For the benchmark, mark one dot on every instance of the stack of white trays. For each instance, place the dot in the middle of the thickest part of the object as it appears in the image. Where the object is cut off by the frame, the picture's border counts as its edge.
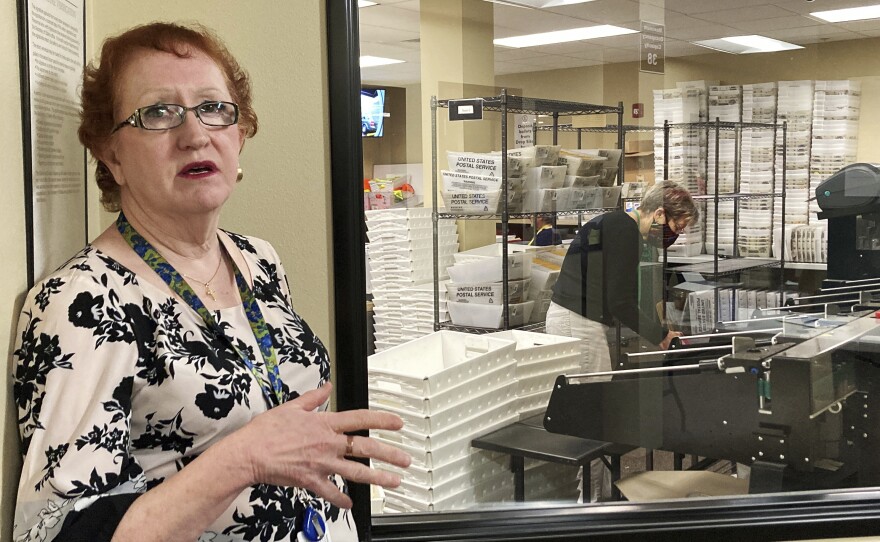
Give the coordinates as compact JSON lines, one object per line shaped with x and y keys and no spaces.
{"x":794,"y":105}
{"x":540,"y":359}
{"x":480,"y":270}
{"x":686,"y":158}
{"x":836,"y":108}
{"x":756,"y":171}
{"x":400,"y":260}
{"x":449,"y":388}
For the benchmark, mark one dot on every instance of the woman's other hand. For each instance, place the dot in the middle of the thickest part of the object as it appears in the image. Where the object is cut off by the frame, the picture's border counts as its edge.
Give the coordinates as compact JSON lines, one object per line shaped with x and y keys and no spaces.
{"x":664,"y":344}
{"x":292,"y":445}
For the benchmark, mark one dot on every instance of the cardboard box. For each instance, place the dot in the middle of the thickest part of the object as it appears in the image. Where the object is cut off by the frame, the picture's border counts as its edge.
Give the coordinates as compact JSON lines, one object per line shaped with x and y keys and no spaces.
{"x":639,"y":168}
{"x":639,"y":145}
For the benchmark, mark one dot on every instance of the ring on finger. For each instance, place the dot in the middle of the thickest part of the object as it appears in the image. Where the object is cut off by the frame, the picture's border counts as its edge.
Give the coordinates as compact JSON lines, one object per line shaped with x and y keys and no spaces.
{"x":349,"y":445}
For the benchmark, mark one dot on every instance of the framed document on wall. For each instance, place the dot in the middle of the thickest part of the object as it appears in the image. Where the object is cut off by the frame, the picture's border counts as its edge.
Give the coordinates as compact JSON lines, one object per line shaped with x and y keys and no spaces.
{"x":52,"y":49}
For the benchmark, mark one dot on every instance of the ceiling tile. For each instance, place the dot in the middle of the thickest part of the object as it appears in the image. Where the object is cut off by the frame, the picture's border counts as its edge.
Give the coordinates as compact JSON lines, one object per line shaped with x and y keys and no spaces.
{"x":805,"y":6}
{"x":382,"y":34}
{"x":602,"y":11}
{"x":692,"y":7}
{"x":776,"y":23}
{"x":752,"y":13}
{"x":511,"y":21}
{"x":390,"y":17}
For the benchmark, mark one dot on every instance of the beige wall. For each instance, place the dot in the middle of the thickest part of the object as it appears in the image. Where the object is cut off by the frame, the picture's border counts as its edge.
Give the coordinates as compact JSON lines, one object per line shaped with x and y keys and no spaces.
{"x":285,"y":195}
{"x":12,"y":239}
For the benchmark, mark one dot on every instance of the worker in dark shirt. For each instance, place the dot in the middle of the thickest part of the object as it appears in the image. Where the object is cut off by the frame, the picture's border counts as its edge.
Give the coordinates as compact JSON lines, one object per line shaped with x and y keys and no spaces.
{"x":545,"y":233}
{"x":598,"y":284}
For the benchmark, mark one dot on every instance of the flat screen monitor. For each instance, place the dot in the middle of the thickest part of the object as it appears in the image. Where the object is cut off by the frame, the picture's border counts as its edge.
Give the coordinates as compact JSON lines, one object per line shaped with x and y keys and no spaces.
{"x":372,"y":112}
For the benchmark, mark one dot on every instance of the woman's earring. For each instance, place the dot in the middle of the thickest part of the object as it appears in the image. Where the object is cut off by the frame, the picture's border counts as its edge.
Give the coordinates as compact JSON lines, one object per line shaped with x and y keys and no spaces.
{"x":240,"y":176}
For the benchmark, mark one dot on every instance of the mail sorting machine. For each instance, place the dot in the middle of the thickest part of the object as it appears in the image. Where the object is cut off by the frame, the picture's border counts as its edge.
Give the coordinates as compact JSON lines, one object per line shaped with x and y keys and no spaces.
{"x":801,"y":407}
{"x":794,"y":392}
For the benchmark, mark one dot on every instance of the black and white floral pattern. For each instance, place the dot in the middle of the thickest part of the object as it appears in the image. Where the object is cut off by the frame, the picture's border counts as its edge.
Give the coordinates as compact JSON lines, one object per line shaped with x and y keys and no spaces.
{"x":119,"y":385}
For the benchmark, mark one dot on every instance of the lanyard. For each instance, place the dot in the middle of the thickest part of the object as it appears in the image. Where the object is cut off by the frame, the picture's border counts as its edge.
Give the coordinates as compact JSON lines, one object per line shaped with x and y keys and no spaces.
{"x":535,"y":237}
{"x":274,"y":395}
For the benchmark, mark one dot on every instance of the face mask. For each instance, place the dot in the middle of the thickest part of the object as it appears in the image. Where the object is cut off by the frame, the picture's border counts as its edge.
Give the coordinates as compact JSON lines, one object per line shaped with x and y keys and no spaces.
{"x":661,"y":235}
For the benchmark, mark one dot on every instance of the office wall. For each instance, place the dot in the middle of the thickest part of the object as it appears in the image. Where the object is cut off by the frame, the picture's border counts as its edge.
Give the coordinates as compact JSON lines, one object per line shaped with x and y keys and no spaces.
{"x":285,"y":194}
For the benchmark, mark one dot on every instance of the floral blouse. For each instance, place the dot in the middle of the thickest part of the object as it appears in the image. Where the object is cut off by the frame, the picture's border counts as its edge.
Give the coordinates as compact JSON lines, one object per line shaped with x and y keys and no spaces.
{"x":119,"y":385}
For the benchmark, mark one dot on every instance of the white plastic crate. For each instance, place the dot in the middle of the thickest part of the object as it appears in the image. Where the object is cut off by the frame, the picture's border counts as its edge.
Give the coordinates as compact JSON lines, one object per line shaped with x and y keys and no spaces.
{"x":415,"y":244}
{"x":496,"y":489}
{"x":483,"y":163}
{"x":438,"y":362}
{"x":535,"y":403}
{"x":396,"y":214}
{"x":454,"y":485}
{"x":542,"y":383}
{"x":423,"y":477}
{"x":580,"y":164}
{"x":488,"y":268}
{"x":463,"y":202}
{"x":532,"y":347}
{"x":398,"y":224}
{"x":539,"y":312}
{"x":439,"y":420}
{"x":468,"y":182}
{"x":383,"y":395}
{"x":409,"y":234}
{"x":442,"y":455}
{"x":487,"y":292}
{"x":544,"y":177}
{"x":464,"y":430}
{"x":489,"y":316}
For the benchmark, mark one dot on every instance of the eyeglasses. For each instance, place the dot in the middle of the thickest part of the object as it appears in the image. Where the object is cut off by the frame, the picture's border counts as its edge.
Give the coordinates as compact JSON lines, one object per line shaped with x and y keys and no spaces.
{"x":167,"y":116}
{"x":678,"y":226}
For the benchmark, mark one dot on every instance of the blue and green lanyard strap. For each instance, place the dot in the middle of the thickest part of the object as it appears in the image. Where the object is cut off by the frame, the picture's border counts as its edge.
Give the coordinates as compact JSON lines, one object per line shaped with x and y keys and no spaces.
{"x":274,"y":395}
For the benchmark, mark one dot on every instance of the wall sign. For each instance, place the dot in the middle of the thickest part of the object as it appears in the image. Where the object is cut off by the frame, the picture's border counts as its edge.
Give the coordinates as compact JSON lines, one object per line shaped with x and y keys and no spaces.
{"x":525,"y":130}
{"x":469,"y":109}
{"x":52,"y":49}
{"x":651,"y":53}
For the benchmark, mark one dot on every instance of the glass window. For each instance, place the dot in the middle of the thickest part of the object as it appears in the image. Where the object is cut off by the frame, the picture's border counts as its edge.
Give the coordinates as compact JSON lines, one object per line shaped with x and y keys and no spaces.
{"x":507,"y":147}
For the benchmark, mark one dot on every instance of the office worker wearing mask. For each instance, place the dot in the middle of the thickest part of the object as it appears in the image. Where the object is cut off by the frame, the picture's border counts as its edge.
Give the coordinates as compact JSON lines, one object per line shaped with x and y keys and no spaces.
{"x":599,"y":280}
{"x":166,"y":389}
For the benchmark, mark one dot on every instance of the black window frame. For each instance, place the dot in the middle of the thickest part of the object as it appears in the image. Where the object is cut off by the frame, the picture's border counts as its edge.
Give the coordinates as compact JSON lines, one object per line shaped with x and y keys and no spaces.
{"x":799,"y":516}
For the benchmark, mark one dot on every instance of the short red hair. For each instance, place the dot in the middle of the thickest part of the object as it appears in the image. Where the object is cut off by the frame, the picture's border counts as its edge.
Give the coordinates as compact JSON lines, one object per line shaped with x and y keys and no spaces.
{"x":101,"y":83}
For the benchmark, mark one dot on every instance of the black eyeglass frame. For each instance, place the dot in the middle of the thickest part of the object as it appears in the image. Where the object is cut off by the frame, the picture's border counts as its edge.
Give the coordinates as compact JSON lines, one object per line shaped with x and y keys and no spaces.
{"x":136,"y":121}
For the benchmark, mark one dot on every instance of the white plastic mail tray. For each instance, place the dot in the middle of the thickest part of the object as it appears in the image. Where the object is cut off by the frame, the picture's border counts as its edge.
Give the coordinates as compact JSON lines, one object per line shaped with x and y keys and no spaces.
{"x":383,"y":394}
{"x":532,"y":347}
{"x":438,"y":362}
{"x":476,"y":460}
{"x":466,"y":202}
{"x":490,"y":293}
{"x":472,"y":268}
{"x":489,"y":316}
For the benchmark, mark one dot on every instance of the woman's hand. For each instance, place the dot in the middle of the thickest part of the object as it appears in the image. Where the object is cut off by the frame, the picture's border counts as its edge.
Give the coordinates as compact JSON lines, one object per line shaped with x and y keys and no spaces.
{"x":292,"y":445}
{"x":664,"y":344}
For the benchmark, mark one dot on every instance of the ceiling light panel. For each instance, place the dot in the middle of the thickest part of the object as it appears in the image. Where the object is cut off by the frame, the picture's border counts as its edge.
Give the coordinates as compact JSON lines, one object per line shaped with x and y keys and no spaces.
{"x":538,"y":4}
{"x":563,"y":36}
{"x":743,"y":45}
{"x":849,"y":14}
{"x":370,"y":61}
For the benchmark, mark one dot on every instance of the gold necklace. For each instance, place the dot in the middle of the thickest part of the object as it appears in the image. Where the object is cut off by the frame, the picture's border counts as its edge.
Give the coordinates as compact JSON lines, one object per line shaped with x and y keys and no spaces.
{"x":207,"y":284}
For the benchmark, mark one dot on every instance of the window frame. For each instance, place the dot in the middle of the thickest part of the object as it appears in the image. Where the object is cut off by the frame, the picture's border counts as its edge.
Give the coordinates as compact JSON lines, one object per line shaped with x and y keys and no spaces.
{"x":797,"y":516}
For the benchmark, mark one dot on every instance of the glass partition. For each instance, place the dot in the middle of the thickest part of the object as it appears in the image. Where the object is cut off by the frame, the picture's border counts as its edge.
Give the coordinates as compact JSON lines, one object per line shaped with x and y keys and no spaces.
{"x":750,"y":106}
